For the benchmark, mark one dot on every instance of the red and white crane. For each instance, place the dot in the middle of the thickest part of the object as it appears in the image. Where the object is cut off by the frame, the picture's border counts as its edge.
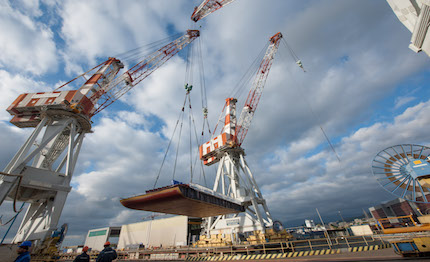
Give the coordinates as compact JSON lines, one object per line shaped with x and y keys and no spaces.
{"x":102,"y":89}
{"x":40,"y":172}
{"x":234,"y":178}
{"x":207,"y":7}
{"x":234,"y":132}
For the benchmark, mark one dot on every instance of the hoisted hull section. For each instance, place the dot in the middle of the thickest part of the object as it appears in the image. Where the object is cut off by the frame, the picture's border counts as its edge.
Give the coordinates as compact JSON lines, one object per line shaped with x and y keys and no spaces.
{"x":183,"y":199}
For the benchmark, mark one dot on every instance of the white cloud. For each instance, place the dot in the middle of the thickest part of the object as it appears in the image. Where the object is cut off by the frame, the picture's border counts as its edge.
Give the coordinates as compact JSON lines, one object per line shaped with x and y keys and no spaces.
{"x":123,"y":217}
{"x":400,"y":101}
{"x":26,"y":45}
{"x":93,"y":30}
{"x":29,"y":7}
{"x":162,"y":93}
{"x":121,"y":156}
{"x":12,"y":85}
{"x":313,"y":181}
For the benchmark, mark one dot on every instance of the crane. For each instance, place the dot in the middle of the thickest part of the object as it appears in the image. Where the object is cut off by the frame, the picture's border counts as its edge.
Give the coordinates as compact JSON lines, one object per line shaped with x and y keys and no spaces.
{"x":40,"y":172}
{"x":207,"y":7}
{"x":233,"y":134}
{"x":234,"y":178}
{"x":414,"y":15}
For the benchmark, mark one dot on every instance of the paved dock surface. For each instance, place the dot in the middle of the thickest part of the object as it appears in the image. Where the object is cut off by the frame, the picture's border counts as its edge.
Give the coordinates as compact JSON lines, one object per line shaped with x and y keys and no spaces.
{"x":375,"y":255}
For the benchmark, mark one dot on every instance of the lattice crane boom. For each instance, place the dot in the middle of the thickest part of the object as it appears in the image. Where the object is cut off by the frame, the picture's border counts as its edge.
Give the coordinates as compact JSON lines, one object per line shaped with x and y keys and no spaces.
{"x":207,"y":7}
{"x":256,"y":91}
{"x":103,"y":88}
{"x":234,"y":132}
{"x":144,"y":68}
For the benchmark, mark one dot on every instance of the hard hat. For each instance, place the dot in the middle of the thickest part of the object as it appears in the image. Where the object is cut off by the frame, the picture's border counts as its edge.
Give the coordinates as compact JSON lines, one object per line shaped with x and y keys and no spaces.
{"x":25,"y":244}
{"x":107,"y":243}
{"x":85,"y":249}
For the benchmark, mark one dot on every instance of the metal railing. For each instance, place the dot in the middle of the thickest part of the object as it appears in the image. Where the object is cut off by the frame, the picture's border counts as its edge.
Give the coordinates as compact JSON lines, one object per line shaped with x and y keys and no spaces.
{"x":180,"y":253}
{"x":289,"y":246}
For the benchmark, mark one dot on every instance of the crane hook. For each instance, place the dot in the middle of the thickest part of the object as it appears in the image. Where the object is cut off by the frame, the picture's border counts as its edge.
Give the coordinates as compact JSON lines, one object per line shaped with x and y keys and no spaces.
{"x":188,"y":88}
{"x":299,"y":63}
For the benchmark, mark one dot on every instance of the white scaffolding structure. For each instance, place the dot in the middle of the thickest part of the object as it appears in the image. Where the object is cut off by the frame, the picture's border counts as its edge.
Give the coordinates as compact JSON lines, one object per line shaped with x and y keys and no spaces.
{"x":40,"y":174}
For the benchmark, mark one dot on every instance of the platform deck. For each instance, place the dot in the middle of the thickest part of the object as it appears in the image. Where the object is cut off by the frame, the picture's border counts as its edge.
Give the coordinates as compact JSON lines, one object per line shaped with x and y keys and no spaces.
{"x":182,"y":200}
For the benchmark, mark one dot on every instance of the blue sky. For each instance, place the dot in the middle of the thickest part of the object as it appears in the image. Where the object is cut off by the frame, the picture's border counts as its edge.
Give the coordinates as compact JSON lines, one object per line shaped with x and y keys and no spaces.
{"x":367,"y":89}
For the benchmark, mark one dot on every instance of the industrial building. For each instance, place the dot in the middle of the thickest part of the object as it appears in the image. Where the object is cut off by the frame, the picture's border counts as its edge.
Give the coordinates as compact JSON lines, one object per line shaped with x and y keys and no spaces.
{"x":97,"y":237}
{"x":399,"y":207}
{"x":166,"y":232}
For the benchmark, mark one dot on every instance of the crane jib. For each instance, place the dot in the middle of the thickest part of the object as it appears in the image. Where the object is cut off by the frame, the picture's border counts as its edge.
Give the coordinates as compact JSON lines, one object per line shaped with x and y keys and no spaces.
{"x":207,"y":7}
{"x":256,"y":91}
{"x":100,"y":90}
{"x":233,"y":134}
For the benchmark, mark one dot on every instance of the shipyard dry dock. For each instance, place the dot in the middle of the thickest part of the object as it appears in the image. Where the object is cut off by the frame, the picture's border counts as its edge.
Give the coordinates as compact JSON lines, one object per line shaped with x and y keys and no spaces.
{"x":363,"y":247}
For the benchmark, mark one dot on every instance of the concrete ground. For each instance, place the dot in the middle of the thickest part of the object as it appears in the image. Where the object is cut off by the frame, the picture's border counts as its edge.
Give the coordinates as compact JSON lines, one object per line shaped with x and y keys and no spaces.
{"x":376,"y":255}
{"x":8,"y":253}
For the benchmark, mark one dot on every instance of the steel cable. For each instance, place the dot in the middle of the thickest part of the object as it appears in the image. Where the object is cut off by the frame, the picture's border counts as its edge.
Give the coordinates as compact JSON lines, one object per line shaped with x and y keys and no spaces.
{"x":19,"y":177}
{"x":317,"y":119}
{"x":170,"y":142}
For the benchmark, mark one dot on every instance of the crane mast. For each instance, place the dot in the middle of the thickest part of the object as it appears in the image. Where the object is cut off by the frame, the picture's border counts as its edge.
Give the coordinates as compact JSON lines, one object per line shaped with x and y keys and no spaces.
{"x":207,"y":7}
{"x":41,"y":171}
{"x":234,"y":177}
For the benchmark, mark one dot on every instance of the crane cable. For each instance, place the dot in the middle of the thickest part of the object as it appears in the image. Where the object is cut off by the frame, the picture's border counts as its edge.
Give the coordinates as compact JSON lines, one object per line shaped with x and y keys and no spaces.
{"x":239,"y":88}
{"x":188,"y":81}
{"x":219,"y":120}
{"x":188,"y":87}
{"x":196,"y":139}
{"x":203,"y":87}
{"x":12,"y":220}
{"x":293,"y":54}
{"x":179,"y":143}
{"x":170,"y":142}
{"x":128,"y":56}
{"x":204,"y":104}
{"x":19,"y":177}
{"x":142,"y":51}
{"x":179,"y":120}
{"x":191,"y":121}
{"x":299,"y":63}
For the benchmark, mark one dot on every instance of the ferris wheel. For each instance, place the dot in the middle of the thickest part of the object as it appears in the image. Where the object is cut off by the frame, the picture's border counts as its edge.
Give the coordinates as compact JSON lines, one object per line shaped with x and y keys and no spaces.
{"x":404,"y":170}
